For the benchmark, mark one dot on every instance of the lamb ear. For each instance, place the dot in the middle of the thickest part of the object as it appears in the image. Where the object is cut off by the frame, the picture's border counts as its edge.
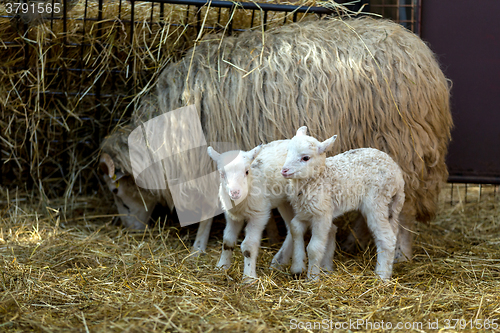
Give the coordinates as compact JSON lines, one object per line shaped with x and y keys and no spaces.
{"x":252,"y":154}
{"x":213,"y":154}
{"x":302,"y":131}
{"x":107,"y":165}
{"x":326,"y":145}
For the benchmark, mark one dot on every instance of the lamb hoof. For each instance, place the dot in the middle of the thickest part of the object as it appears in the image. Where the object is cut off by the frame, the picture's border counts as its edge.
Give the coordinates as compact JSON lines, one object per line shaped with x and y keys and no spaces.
{"x":327,"y":268}
{"x":276,"y":264}
{"x":195,"y":253}
{"x":313,"y":277}
{"x":400,"y":257}
{"x":383,"y":275}
{"x":222,"y":266}
{"x":248,"y":279}
{"x":296,"y":269}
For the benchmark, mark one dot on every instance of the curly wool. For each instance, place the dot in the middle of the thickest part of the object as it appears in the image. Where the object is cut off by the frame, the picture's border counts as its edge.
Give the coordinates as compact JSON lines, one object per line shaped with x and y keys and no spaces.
{"x":372,"y":82}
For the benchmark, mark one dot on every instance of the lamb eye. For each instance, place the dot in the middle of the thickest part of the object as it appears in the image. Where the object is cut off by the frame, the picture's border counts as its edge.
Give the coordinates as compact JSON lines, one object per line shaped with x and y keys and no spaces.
{"x":246,"y":172}
{"x":305,"y":158}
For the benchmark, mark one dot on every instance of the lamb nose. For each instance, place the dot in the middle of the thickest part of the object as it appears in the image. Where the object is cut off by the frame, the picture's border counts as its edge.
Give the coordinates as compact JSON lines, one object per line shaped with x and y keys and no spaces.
{"x":284,"y":171}
{"x":235,"y":193}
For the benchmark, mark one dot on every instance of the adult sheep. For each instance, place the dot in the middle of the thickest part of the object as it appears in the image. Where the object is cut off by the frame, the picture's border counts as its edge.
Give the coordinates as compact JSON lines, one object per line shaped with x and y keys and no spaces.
{"x":372,"y":82}
{"x":135,"y":204}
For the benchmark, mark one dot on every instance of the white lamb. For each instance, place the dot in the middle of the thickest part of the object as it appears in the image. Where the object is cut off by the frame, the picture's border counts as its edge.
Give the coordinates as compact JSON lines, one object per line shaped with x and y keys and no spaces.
{"x":251,"y":186}
{"x":323,"y":188}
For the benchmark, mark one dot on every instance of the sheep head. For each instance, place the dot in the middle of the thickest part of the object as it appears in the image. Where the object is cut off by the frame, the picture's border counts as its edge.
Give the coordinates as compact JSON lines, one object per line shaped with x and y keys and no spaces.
{"x":134,"y":206}
{"x":234,"y":168}
{"x":306,"y":156}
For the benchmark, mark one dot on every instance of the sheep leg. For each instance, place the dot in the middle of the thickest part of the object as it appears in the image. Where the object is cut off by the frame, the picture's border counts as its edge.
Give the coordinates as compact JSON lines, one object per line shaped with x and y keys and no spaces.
{"x":200,"y":243}
{"x":327,"y":262}
{"x":285,"y":253}
{"x":320,"y":233}
{"x":231,"y":232}
{"x":251,"y":243}
{"x":385,"y":237}
{"x":297,"y":229}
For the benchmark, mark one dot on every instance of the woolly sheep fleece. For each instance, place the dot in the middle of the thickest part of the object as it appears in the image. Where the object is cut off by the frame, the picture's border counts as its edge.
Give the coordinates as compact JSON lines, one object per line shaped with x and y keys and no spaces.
{"x":372,"y":82}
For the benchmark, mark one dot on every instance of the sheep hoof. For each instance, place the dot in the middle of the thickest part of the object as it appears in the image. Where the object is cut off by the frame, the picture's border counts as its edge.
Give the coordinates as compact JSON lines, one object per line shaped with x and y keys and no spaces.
{"x":313,"y":277}
{"x":400,"y":257}
{"x":385,"y":276}
{"x":297,"y":270}
{"x":197,"y":252}
{"x":276,"y":264}
{"x":248,"y":279}
{"x":327,"y":269}
{"x":222,"y":266}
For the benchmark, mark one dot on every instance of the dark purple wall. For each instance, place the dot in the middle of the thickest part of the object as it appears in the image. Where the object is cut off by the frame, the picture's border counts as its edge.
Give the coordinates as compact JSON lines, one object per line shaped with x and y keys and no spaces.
{"x":465,"y":35}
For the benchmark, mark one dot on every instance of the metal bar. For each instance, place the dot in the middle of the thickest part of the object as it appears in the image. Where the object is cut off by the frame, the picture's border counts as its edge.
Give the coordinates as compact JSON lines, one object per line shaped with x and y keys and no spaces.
{"x":24,"y":89}
{"x":265,"y":20}
{"x":418,"y":19}
{"x":151,"y":17}
{"x":198,"y":19}
{"x":383,"y":6}
{"x":98,"y":135}
{"x":65,"y":163}
{"x":230,"y":23}
{"x":451,"y":195}
{"x":52,"y":16}
{"x":187,"y":15}
{"x":130,"y":83}
{"x":247,"y":5}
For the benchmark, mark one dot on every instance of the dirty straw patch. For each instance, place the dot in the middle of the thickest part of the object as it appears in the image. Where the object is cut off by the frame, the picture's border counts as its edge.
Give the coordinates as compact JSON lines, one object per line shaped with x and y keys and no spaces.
{"x":84,"y":274}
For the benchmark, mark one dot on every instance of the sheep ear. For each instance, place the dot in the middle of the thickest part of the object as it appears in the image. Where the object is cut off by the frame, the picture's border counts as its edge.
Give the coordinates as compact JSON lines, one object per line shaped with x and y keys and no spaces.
{"x":107,"y":165}
{"x":252,"y":154}
{"x":302,"y":131}
{"x":326,"y":145}
{"x":213,"y":154}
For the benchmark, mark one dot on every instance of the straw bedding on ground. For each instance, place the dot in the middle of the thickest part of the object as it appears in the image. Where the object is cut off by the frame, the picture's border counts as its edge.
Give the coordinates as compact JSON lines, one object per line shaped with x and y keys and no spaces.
{"x":81,"y":273}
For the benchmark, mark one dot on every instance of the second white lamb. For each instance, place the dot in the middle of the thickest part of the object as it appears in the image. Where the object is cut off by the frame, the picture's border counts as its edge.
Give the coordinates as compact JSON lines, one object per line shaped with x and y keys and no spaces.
{"x":323,"y":188}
